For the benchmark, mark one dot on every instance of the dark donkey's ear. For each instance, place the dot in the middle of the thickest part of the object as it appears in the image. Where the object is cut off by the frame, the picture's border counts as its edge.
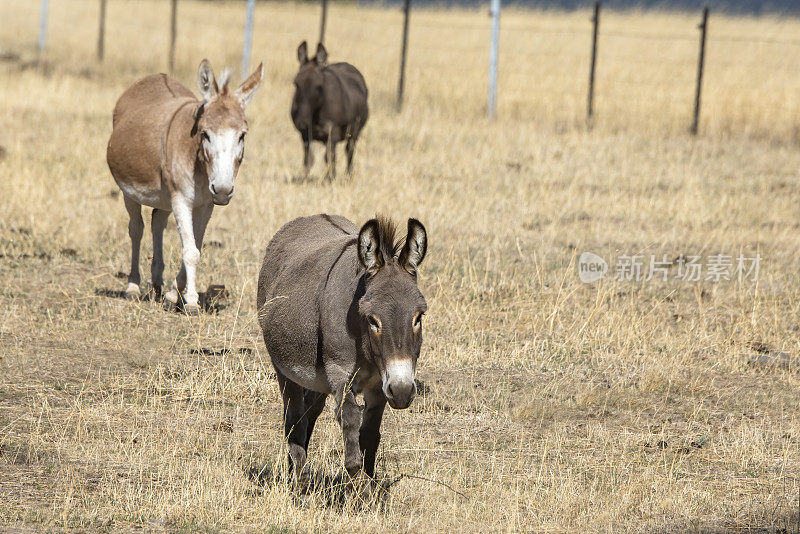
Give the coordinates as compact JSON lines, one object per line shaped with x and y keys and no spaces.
{"x":416,"y":245}
{"x":322,"y":55}
{"x":369,"y":246}
{"x":302,"y":52}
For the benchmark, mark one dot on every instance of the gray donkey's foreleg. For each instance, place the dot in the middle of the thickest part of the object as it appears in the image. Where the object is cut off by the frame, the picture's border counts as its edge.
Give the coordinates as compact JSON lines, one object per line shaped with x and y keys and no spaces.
{"x":348,"y":414}
{"x":369,"y":434}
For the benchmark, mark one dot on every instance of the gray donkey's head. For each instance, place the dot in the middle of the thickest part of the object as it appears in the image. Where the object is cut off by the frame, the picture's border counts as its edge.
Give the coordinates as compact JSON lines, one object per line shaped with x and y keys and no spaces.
{"x":392,"y":306}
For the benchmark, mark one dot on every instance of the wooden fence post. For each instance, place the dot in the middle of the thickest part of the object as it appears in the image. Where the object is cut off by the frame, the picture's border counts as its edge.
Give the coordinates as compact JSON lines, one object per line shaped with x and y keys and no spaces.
{"x":172,"y":35}
{"x":101,"y":34}
{"x":248,"y":37}
{"x":493,"y":56}
{"x":403,"y":51}
{"x":590,"y":103}
{"x":700,"y":64}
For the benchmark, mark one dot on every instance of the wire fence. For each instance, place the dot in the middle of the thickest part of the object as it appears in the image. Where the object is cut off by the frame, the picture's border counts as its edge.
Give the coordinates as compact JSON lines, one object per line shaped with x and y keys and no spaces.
{"x":681,"y":81}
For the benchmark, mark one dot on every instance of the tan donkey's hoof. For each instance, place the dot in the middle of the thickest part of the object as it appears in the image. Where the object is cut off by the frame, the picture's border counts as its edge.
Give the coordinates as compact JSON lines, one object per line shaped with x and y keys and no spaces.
{"x":169,"y":304}
{"x":133,"y":293}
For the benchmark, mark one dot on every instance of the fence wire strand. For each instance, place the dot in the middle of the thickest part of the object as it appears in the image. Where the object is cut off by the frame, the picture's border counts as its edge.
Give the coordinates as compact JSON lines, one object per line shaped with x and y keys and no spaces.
{"x":665,"y":75}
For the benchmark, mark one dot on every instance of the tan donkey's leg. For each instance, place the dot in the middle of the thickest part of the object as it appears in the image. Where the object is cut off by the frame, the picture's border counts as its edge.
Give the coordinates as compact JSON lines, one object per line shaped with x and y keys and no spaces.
{"x":191,"y":255}
{"x":159,"y":223}
{"x":135,"y":231}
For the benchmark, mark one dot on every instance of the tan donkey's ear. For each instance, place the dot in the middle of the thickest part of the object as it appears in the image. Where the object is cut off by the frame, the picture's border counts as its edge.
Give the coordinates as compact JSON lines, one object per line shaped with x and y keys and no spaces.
{"x":206,"y":82}
{"x":415,"y":248}
{"x":245,"y":91}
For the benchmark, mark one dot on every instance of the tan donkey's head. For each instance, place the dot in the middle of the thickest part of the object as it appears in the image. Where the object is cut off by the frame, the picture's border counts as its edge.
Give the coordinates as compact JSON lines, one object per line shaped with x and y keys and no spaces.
{"x":222,"y":126}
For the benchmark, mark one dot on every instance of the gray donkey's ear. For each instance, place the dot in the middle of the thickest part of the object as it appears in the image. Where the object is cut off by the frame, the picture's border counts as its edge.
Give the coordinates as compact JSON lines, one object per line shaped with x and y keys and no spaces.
{"x":369,"y":246}
{"x":206,"y":82}
{"x":416,"y":245}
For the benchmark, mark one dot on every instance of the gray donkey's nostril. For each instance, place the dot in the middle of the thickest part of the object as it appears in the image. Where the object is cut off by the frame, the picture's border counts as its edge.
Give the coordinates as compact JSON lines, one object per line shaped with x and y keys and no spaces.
{"x":213,"y":189}
{"x":400,"y":393}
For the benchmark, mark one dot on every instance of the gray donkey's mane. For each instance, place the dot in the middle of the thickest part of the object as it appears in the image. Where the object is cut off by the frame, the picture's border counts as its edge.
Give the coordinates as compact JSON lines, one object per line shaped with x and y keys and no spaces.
{"x":386,"y":237}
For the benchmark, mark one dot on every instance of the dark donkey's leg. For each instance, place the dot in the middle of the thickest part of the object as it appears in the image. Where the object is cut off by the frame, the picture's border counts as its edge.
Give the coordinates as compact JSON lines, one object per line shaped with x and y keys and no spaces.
{"x":330,"y":159}
{"x":334,"y":136}
{"x":350,"y":149}
{"x":370,"y":435}
{"x":353,"y":130}
{"x":308,"y":155}
{"x":315,"y":403}
{"x":294,"y":424}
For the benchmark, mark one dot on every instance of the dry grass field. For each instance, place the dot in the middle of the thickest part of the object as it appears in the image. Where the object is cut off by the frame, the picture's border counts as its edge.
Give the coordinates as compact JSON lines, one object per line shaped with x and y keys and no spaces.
{"x":552,"y":405}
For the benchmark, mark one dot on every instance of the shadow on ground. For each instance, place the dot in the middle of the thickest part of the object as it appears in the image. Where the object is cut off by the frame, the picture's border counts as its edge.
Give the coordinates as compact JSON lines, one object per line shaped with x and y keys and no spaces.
{"x":331,"y":490}
{"x":213,"y":300}
{"x":205,"y":351}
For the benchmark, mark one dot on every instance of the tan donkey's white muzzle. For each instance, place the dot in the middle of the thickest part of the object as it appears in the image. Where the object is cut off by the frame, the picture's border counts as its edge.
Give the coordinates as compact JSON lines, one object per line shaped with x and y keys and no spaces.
{"x":224,"y":150}
{"x":398,"y":383}
{"x":221,"y":195}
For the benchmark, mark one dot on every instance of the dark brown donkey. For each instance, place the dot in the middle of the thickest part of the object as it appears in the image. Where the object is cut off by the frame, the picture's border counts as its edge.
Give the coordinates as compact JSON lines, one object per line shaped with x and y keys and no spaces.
{"x":330,"y":105}
{"x":342,"y":314}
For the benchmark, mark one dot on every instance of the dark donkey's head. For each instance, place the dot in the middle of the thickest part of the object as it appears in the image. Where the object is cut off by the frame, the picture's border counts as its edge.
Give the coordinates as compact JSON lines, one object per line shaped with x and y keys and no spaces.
{"x":392,"y":306}
{"x":308,"y":86}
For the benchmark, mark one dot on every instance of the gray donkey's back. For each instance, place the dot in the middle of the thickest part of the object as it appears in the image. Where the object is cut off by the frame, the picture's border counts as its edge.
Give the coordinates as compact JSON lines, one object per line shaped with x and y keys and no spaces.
{"x":306,"y":285}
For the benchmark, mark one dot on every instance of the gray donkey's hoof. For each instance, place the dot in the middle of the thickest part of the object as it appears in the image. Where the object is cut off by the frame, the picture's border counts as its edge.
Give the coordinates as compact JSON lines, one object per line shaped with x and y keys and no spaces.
{"x":192,"y":310}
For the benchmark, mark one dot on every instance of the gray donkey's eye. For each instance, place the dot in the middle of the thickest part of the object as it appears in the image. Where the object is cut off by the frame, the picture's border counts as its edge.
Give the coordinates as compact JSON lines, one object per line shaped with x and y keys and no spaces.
{"x":374,"y":323}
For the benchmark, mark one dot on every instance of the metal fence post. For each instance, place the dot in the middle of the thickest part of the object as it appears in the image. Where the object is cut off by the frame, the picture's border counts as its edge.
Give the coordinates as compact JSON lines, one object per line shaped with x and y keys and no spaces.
{"x":43,"y":25}
{"x":403,"y":51}
{"x":323,"y":21}
{"x":493,"y":53}
{"x":590,"y":103}
{"x":248,"y":37}
{"x":700,"y":64}
{"x":101,"y":34}
{"x":172,"y":34}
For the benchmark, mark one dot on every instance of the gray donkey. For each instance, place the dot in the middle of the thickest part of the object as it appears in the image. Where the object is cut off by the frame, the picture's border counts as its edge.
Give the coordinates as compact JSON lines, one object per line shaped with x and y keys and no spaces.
{"x":341,"y":314}
{"x":329,"y":105}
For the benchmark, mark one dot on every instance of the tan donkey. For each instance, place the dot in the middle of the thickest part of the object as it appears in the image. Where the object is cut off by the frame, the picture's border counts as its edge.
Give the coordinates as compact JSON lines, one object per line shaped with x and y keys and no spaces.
{"x":175,"y":153}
